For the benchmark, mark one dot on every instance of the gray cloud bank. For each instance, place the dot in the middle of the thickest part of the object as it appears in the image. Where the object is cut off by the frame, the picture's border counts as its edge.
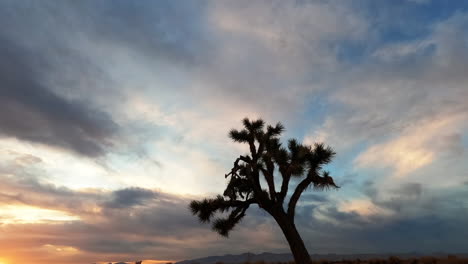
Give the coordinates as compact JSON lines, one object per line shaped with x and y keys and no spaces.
{"x":32,"y":110}
{"x":134,"y":223}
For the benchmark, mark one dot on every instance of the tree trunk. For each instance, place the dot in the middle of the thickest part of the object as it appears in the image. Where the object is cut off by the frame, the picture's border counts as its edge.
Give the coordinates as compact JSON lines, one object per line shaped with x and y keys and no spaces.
{"x":298,"y":249}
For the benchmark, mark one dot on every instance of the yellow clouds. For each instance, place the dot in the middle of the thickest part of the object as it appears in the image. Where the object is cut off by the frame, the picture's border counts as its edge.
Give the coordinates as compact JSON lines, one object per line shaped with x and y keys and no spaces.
{"x":417,"y":146}
{"x":22,"y":214}
{"x":363,"y":207}
{"x":62,"y":250}
{"x":400,"y":154}
{"x":52,"y":164}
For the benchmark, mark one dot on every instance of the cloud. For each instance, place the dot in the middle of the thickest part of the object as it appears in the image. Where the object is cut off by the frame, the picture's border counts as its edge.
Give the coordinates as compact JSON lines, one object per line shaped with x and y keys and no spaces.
{"x":122,"y":224}
{"x":130,"y":197}
{"x":362,"y":207}
{"x":420,"y":2}
{"x":32,"y":112}
{"x":150,"y":90}
{"x":136,"y":223}
{"x":417,"y":146}
{"x":399,"y":84}
{"x":282,"y":44}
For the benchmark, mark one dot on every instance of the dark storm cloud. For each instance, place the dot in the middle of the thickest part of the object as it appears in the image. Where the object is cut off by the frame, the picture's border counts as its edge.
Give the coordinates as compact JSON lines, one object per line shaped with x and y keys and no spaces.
{"x":439,"y":229}
{"x":130,"y":197}
{"x":165,"y":29}
{"x":32,"y":112}
{"x":399,"y":198}
{"x":314,"y":197}
{"x":425,"y":234}
{"x":405,"y":190}
{"x":63,"y":49}
{"x":192,"y":37}
{"x":410,"y":190}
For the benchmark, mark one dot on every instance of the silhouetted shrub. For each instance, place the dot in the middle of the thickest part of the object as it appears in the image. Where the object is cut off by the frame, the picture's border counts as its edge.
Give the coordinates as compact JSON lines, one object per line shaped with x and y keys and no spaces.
{"x":394,"y":260}
{"x":428,"y":260}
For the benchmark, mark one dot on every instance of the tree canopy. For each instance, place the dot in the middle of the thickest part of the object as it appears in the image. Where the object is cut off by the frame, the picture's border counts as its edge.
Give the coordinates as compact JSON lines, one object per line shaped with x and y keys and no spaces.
{"x":268,"y":158}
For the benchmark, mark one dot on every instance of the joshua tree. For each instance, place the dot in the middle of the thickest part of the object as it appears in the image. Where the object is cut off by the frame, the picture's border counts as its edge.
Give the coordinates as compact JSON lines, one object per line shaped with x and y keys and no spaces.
{"x":268,"y":159}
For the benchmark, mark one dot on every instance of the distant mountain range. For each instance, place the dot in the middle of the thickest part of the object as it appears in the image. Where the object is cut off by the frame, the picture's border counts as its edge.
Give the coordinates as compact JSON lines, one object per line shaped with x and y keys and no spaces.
{"x":285,"y":257}
{"x":233,"y":259}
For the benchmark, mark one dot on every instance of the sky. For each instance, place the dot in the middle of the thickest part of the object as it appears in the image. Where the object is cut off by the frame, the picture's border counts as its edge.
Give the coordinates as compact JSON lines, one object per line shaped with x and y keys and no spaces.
{"x":115,"y":115}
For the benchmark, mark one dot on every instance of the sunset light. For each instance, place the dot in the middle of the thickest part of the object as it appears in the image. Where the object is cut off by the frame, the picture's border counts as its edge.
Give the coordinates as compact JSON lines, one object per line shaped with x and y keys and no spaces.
{"x":22,"y":214}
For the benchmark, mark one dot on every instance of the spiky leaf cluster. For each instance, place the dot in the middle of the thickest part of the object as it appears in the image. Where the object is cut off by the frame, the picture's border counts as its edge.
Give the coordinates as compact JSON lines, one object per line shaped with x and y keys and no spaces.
{"x":267,"y":156}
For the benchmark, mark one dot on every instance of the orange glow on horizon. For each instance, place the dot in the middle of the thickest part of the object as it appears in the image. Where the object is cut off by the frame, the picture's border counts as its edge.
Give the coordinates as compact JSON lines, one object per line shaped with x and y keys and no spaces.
{"x":63,"y":250}
{"x":22,"y":214}
{"x":148,"y":261}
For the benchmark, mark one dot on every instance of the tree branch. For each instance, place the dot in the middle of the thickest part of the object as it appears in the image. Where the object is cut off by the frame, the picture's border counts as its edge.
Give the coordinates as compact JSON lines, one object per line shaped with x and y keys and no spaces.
{"x":253,"y":150}
{"x":297,"y":194}
{"x":236,"y":167}
{"x":254,"y":174}
{"x":263,"y":199}
{"x":224,"y":225}
{"x":205,"y":208}
{"x":285,"y":184}
{"x":319,"y":182}
{"x":271,"y":183}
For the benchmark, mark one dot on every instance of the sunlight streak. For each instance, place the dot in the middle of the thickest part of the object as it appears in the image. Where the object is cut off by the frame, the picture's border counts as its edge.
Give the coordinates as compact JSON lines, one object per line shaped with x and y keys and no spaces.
{"x":21,"y":214}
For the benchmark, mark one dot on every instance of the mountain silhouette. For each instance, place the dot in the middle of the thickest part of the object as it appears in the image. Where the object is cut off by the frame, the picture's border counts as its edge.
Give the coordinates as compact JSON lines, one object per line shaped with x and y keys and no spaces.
{"x":285,"y":257}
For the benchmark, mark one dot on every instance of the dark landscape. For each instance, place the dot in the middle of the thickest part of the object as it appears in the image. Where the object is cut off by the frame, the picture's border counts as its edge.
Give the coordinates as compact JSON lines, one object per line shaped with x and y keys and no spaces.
{"x":271,"y":258}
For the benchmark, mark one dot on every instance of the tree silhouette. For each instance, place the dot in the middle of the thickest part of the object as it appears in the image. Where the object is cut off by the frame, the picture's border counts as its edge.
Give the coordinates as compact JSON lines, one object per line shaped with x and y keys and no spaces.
{"x":267,"y":159}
